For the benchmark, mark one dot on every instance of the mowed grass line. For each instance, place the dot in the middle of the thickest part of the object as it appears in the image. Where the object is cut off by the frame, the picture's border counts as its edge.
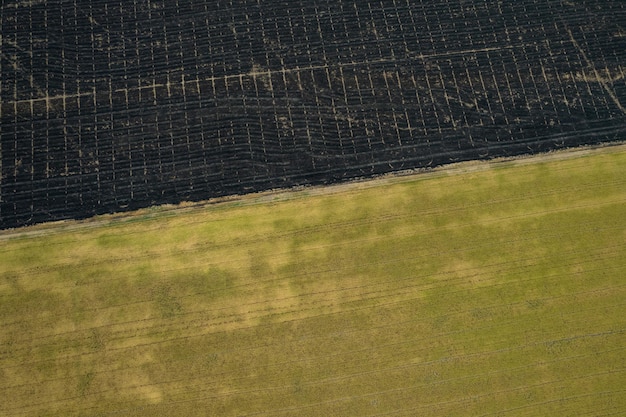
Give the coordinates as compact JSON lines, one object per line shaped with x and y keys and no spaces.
{"x":494,"y":292}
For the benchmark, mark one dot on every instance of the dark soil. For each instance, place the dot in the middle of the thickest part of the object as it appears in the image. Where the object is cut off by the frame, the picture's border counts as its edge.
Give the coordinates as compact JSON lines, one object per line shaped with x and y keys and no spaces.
{"x":109,"y":106}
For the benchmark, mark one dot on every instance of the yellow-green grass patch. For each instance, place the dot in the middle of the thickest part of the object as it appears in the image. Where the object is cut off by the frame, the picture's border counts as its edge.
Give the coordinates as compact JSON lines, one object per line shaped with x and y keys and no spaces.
{"x":498,"y":291}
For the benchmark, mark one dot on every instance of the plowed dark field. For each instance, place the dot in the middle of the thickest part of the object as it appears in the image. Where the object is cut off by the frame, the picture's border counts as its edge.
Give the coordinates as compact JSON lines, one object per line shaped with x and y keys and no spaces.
{"x":113,"y":105}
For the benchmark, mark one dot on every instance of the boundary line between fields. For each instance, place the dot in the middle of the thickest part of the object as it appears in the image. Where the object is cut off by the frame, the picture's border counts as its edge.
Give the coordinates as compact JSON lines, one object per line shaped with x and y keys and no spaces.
{"x":298,"y":192}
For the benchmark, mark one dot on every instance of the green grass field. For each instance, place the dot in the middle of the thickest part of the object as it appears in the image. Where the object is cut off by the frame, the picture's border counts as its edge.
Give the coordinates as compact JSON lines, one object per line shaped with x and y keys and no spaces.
{"x":500,"y":291}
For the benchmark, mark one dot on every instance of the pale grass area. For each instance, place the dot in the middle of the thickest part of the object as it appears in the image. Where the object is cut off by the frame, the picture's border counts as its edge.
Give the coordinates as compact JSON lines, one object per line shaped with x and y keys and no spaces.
{"x":484,"y":289}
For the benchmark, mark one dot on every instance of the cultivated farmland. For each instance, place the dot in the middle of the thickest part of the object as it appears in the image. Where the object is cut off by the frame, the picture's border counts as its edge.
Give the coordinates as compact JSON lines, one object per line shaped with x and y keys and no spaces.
{"x":108,"y":105}
{"x":498,"y":291}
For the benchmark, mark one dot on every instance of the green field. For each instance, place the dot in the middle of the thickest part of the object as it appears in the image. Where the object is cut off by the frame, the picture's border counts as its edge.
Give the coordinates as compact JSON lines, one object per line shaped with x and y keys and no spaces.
{"x":486,"y":290}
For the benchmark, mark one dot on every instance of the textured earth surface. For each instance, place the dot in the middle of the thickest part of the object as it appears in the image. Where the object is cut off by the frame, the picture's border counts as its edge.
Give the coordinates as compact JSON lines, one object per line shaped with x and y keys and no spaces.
{"x":114,"y":105}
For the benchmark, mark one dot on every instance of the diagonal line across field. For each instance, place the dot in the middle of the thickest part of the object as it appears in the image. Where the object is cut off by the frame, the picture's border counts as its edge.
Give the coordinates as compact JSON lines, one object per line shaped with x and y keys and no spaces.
{"x":184,"y":83}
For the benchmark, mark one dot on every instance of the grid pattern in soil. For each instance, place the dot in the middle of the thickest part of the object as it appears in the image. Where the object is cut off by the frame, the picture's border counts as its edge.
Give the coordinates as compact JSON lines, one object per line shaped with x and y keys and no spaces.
{"x":113,"y":105}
